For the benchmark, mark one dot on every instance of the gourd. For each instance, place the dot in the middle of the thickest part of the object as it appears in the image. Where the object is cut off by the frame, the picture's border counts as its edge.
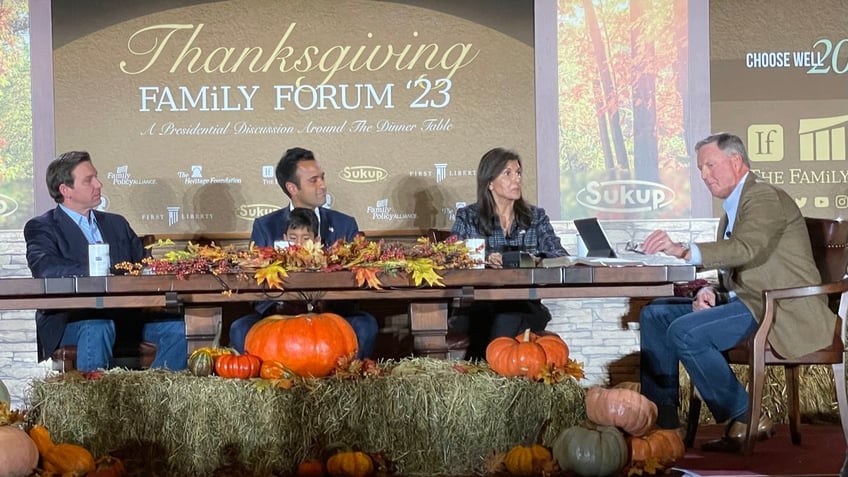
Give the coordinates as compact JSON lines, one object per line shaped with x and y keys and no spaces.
{"x":527,"y":460}
{"x":664,"y":446}
{"x":271,"y":369}
{"x":64,"y":459}
{"x":18,"y":453}
{"x":556,"y":349}
{"x":632,"y":412}
{"x":308,"y":345}
{"x":591,"y":451}
{"x":350,"y":464}
{"x":241,"y":366}
{"x":201,"y":362}
{"x":516,"y":357}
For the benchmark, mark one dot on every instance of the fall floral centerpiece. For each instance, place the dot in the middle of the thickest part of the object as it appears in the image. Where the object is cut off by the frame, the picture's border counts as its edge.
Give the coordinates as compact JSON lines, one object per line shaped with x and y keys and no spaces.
{"x":367,"y":259}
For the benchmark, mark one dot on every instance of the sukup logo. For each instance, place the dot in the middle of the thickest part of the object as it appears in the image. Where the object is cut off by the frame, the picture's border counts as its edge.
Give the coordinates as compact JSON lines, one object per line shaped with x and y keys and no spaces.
{"x":363,"y":174}
{"x":254,"y":211}
{"x":625,"y":196}
{"x":8,"y":205}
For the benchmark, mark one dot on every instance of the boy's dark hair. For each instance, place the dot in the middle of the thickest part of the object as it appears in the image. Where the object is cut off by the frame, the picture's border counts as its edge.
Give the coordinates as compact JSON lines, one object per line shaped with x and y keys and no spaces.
{"x":301,"y":217}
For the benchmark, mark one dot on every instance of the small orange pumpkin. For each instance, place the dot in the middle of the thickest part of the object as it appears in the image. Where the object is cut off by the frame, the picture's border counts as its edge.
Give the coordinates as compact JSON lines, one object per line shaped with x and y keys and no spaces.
{"x":528,"y":460}
{"x":64,"y":459}
{"x":309,"y":344}
{"x":512,"y":357}
{"x":632,"y":412}
{"x":310,"y":468}
{"x":350,"y":464}
{"x":242,"y":366}
{"x":663,"y":445}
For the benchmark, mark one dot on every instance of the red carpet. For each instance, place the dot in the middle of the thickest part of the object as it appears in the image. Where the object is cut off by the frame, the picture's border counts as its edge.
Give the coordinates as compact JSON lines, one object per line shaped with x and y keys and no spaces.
{"x":821,"y":453}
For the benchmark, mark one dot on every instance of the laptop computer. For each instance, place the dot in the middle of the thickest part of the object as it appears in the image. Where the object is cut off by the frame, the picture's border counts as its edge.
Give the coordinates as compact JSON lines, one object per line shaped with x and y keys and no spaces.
{"x":597,"y":244}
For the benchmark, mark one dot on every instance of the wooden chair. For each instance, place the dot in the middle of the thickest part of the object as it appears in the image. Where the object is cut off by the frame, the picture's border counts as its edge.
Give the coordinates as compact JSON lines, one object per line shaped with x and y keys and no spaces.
{"x":65,"y":357}
{"x":829,"y":240}
{"x":438,"y":235}
{"x":124,"y":355}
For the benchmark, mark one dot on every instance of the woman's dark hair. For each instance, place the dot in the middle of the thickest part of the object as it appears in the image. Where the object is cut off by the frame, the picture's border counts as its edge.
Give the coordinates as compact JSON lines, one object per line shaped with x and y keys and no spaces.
{"x":300,"y":217}
{"x":61,"y":171}
{"x":491,"y":165}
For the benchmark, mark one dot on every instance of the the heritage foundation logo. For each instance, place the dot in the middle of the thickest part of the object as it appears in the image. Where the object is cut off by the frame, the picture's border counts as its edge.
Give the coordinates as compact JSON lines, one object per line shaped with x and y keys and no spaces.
{"x":195,"y":177}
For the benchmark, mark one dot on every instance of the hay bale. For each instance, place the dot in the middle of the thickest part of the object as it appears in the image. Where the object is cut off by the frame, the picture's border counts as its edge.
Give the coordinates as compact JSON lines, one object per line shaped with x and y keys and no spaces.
{"x":816,"y":390}
{"x":425,"y":416}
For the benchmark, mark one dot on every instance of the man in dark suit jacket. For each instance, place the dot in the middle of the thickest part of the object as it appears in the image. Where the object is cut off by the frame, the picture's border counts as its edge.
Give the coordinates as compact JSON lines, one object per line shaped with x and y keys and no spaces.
{"x":302,"y":180}
{"x":58,"y":246}
{"x":763,"y":243}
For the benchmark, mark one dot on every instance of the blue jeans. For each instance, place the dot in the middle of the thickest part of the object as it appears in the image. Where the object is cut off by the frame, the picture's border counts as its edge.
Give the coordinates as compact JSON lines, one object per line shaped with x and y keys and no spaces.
{"x":95,"y":339}
{"x":171,"y":344}
{"x":672,"y":332}
{"x":364,"y":326}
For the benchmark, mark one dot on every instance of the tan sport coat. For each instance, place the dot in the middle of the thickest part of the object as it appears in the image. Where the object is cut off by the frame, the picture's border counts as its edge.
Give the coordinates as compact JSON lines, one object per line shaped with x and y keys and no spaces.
{"x":769,"y":247}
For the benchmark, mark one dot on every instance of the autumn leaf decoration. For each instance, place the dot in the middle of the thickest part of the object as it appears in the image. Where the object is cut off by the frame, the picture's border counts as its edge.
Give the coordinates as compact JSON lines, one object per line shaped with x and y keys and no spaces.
{"x":367,"y":260}
{"x":272,"y":275}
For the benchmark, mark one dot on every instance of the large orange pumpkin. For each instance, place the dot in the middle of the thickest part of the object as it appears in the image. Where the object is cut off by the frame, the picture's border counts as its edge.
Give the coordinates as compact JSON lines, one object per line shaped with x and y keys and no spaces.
{"x":308,"y":345}
{"x":632,"y":412}
{"x":515,"y":357}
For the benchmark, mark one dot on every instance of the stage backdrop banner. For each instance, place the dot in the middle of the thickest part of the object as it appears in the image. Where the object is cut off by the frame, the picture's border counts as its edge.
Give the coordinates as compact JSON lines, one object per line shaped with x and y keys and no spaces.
{"x":780,"y":81}
{"x":187,"y":106}
{"x":625,"y":108}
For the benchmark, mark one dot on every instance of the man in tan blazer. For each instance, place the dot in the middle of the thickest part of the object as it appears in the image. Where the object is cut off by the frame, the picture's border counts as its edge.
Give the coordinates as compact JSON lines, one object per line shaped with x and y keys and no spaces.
{"x":763,"y":244}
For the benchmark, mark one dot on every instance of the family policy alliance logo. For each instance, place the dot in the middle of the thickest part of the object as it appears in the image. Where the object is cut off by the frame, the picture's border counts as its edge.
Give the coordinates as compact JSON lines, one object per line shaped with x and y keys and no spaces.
{"x":122,"y":177}
{"x":195,"y":177}
{"x":381,"y":210}
{"x":8,"y":205}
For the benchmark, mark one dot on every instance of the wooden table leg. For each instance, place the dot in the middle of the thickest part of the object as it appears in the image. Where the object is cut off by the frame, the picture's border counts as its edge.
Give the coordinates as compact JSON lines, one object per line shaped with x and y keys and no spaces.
{"x":203,"y":326}
{"x":429,"y":325}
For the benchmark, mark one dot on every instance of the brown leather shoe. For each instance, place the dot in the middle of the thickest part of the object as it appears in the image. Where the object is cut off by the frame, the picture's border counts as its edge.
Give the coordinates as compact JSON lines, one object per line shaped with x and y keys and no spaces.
{"x":765,"y":429}
{"x":733,"y":438}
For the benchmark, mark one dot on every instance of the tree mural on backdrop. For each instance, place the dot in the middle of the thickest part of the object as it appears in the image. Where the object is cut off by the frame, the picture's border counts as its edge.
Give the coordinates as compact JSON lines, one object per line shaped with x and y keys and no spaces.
{"x":15,"y":114}
{"x":622,"y":67}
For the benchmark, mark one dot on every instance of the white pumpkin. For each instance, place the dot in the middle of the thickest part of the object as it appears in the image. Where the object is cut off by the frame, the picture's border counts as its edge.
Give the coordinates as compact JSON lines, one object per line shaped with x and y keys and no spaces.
{"x":18,"y":454}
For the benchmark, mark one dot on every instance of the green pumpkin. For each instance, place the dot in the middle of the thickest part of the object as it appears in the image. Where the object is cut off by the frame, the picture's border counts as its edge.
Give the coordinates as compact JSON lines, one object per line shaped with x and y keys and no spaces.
{"x":201,"y":363}
{"x":4,"y":394}
{"x":591,"y":451}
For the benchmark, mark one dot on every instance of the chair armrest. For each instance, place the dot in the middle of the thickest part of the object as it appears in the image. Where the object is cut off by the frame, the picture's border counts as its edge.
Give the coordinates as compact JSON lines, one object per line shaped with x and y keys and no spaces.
{"x":771,"y":297}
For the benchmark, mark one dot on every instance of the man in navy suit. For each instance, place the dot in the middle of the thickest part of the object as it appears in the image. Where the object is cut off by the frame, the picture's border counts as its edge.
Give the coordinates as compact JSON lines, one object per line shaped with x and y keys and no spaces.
{"x":302,"y":180}
{"x":57,"y":246}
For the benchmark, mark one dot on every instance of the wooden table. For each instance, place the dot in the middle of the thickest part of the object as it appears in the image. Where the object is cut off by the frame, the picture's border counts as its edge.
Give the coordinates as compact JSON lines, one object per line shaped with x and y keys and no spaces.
{"x":202,"y":296}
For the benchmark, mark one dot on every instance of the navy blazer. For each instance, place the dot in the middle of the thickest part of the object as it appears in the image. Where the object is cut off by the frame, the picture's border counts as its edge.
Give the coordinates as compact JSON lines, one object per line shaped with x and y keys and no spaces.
{"x":334,"y":225}
{"x":56,"y":247}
